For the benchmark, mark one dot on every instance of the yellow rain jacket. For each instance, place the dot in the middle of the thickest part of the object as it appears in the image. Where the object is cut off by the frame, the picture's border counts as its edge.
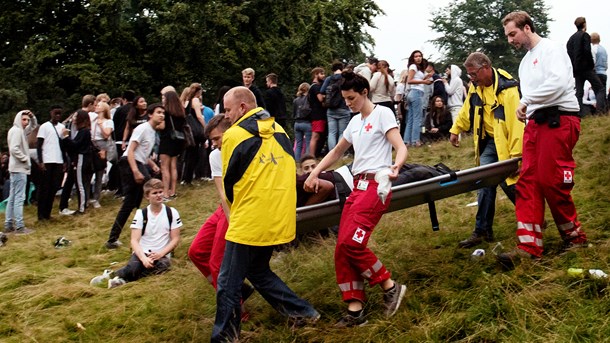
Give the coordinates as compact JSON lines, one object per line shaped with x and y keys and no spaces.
{"x":493,"y":112}
{"x":259,"y":181}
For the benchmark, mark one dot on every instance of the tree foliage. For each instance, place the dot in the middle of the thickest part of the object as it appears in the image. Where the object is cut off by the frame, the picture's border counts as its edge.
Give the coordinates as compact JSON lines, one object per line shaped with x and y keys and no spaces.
{"x":467,"y":26}
{"x":57,"y":51}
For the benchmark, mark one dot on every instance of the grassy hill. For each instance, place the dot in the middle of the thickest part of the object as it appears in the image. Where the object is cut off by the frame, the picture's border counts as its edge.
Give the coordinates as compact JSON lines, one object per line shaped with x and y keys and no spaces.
{"x":45,"y":291}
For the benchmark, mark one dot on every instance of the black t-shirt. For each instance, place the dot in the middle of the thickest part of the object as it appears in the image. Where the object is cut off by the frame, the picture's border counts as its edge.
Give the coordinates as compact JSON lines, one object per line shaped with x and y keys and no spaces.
{"x":276,"y":104}
{"x":317,"y":111}
{"x":260,"y":102}
{"x":120,"y":120}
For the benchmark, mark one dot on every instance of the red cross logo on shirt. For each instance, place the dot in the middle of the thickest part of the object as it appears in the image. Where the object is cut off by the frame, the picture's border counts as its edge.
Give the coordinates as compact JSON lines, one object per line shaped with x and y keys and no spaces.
{"x":535,"y":62}
{"x":358,"y":235}
{"x":368,"y":127}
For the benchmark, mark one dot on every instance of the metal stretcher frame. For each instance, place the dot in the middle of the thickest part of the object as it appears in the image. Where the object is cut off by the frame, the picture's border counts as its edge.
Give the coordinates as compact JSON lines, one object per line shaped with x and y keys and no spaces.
{"x":319,"y":216}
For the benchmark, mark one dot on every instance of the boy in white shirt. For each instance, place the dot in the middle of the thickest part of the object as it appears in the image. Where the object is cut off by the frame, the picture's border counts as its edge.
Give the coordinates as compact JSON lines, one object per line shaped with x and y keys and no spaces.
{"x":155,"y":233}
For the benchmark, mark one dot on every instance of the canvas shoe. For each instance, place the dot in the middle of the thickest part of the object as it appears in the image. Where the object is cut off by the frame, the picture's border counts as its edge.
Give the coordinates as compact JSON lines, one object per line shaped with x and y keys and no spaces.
{"x":116,"y":282}
{"x":349,"y":321}
{"x":392,"y":299}
{"x":66,"y":212}
{"x":95,"y":204}
{"x":101,"y":279}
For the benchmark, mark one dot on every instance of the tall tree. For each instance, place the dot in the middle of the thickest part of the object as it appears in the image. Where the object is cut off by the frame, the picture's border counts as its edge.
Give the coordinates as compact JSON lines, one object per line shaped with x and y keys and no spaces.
{"x":56,"y":51}
{"x":467,"y":26}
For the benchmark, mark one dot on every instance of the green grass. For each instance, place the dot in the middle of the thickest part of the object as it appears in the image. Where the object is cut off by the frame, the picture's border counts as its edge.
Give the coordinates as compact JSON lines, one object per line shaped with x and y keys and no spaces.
{"x":45,"y":291}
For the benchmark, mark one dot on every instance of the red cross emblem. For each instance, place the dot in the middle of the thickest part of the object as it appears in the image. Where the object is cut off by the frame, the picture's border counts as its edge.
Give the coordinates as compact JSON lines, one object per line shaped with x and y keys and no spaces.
{"x":567,"y":176}
{"x":368,"y":127}
{"x":535,"y":62}
{"x":359,"y":235}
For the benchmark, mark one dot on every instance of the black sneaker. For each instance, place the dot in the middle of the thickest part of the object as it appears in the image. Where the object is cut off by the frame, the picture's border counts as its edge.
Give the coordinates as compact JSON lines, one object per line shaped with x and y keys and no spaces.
{"x":392,"y":299}
{"x":23,"y":231}
{"x":113,"y":245}
{"x":567,"y":246}
{"x":349,"y":321}
{"x":510,"y":259}
{"x":475,"y":239}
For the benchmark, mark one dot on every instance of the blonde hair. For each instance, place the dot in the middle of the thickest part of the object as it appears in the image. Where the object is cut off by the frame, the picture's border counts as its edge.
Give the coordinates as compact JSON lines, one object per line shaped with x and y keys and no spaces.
{"x":152,"y":184}
{"x":105,"y":110}
{"x":102,"y":97}
{"x":248,"y":71}
{"x":303,"y":89}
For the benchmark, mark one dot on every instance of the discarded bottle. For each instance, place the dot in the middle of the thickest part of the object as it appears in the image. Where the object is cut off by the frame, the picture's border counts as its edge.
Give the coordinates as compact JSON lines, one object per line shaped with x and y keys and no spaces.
{"x":592,"y":273}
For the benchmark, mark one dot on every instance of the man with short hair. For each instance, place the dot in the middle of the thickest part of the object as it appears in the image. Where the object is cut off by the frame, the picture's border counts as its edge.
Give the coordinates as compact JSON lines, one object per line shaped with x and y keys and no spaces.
{"x":497,"y":136}
{"x":579,"y":50}
{"x":247,"y":76}
{"x":318,"y":112}
{"x":600,"y":59}
{"x":553,"y":126}
{"x":274,"y":98}
{"x":120,"y":120}
{"x":133,"y":168}
{"x":50,"y":161}
{"x":258,"y":176}
{"x":337,"y":116}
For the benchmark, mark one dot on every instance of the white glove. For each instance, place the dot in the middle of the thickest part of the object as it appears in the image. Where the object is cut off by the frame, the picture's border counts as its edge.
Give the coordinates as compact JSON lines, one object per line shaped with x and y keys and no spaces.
{"x":383,"y":179}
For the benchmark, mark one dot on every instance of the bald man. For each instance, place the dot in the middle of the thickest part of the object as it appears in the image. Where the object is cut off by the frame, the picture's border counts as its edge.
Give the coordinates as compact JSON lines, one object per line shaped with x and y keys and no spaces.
{"x":258,"y":171}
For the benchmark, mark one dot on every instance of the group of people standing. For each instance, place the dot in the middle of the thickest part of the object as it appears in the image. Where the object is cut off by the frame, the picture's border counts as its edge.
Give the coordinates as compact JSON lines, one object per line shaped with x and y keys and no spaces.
{"x":254,"y":166}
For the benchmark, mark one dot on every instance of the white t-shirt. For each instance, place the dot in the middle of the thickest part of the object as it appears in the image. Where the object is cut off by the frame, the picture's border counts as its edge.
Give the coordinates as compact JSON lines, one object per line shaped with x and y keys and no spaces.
{"x":156,"y":236}
{"x":51,"y":151}
{"x":372,"y":150}
{"x":216,"y":163}
{"x":96,"y":132}
{"x":546,"y":78}
{"x":419,"y":75}
{"x":145,"y":135}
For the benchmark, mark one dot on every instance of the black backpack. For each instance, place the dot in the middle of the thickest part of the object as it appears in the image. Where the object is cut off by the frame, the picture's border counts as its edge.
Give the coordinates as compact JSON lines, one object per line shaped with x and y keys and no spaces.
{"x":333,"y":96}
{"x":303,"y":108}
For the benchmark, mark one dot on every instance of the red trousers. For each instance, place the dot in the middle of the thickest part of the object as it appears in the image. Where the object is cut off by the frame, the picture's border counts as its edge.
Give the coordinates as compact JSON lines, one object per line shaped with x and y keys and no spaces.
{"x":208,"y":247}
{"x":547,"y":173}
{"x":354,"y":261}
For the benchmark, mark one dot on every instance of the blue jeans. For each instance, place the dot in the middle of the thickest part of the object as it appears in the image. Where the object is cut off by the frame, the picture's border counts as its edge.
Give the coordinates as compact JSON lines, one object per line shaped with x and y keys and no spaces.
{"x":302,"y":129}
{"x":415,"y":104}
{"x":14,"y":204}
{"x":244,"y":261}
{"x":337,"y":119}
{"x":486,"y":196}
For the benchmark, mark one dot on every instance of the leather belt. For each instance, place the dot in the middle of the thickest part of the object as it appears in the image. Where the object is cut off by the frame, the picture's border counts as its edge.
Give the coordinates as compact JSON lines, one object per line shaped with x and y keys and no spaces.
{"x":364,"y":176}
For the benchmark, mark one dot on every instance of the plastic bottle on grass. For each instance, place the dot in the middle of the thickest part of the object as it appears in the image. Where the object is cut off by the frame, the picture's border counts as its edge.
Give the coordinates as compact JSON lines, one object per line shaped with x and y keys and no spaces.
{"x":591,"y":273}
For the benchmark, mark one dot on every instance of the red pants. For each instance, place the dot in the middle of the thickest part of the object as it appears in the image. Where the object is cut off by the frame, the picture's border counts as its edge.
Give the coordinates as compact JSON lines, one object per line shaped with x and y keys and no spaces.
{"x":547,"y":173}
{"x":208,"y":247}
{"x":354,"y":262}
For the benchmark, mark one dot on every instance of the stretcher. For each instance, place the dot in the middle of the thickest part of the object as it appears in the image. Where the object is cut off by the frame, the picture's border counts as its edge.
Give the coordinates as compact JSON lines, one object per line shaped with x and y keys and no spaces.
{"x":319,"y":216}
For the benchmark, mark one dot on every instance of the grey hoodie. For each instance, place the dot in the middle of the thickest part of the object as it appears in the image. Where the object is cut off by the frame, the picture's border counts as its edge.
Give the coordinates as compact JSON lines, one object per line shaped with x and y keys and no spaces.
{"x":455,"y":88}
{"x":19,"y":160}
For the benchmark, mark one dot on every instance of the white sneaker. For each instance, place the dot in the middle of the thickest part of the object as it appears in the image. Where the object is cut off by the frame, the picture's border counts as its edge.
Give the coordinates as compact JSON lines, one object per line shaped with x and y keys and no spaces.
{"x":101,"y":279}
{"x":66,"y":212}
{"x":116,"y":282}
{"x":96,"y":204}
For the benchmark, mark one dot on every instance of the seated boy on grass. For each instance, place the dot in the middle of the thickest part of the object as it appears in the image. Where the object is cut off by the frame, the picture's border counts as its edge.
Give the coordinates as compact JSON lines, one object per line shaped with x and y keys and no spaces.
{"x":154,"y":235}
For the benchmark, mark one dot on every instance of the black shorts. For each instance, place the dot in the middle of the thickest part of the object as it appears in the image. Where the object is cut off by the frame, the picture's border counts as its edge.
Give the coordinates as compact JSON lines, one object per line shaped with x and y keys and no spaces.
{"x":170,"y":147}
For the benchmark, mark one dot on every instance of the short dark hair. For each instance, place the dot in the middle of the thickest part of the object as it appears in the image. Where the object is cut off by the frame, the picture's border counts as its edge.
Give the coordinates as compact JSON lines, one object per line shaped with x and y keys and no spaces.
{"x":151,"y":108}
{"x":580,"y":23}
{"x":372,"y":60}
{"x":353,"y":81}
{"x":217,"y":121}
{"x":337,"y":65}
{"x":306,"y":157}
{"x":56,"y":107}
{"x":317,"y":70}
{"x":272,"y":77}
{"x":129,"y":95}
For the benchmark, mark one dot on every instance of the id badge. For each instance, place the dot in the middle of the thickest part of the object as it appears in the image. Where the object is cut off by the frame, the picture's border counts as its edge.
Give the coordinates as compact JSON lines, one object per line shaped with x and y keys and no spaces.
{"x":362,"y":185}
